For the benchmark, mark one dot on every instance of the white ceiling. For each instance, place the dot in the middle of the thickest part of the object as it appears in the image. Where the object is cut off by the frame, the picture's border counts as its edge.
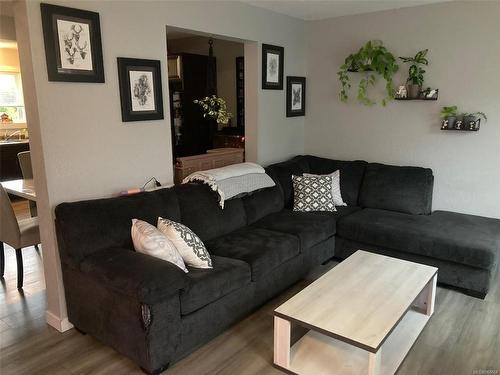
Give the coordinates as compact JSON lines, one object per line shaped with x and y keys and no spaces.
{"x":317,"y":10}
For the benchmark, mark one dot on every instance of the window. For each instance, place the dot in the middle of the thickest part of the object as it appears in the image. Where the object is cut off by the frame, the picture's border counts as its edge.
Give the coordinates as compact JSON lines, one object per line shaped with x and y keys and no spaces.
{"x":11,"y":96}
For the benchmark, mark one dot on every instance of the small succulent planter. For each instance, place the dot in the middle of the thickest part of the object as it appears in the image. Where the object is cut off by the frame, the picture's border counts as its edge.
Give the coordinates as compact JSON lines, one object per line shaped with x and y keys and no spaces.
{"x":413,"y":91}
{"x":448,"y":123}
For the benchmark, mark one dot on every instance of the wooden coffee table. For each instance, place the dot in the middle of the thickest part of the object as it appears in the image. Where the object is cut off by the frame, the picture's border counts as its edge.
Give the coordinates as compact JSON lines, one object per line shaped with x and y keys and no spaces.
{"x":364,"y":316}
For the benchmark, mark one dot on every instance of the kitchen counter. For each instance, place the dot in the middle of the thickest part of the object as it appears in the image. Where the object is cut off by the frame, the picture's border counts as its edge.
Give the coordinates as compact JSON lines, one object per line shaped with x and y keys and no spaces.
{"x":13,"y":142}
{"x":9,"y":164}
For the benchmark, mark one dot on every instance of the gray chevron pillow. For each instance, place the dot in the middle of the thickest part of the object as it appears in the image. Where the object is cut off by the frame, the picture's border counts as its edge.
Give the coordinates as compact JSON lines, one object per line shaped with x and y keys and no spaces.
{"x":188,"y":244}
{"x":312,"y":193}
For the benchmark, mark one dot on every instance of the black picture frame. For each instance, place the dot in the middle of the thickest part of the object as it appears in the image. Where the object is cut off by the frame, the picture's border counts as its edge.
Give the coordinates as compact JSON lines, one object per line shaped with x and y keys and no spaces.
{"x":73,"y":64}
{"x":269,"y":51}
{"x":291,"y":96}
{"x":146,"y":73}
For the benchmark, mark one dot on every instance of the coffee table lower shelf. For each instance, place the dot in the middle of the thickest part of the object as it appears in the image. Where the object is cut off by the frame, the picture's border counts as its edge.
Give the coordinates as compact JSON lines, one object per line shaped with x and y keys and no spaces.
{"x":316,"y":353}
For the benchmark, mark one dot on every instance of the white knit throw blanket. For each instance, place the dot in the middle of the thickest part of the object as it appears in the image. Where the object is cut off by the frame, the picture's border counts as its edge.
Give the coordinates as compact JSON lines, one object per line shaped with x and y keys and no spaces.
{"x":233,"y":179}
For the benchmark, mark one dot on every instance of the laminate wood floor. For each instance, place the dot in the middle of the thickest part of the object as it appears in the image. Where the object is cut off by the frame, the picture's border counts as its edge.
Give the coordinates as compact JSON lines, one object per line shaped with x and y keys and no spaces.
{"x":463,"y":336}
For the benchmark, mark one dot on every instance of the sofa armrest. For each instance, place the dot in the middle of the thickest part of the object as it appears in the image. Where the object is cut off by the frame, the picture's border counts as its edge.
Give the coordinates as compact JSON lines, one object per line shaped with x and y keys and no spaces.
{"x":137,"y":275}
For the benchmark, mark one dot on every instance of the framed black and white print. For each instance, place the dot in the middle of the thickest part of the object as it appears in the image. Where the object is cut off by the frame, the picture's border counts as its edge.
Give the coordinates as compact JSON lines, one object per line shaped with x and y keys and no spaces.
{"x":140,"y":89}
{"x":295,"y":96}
{"x":272,"y":67}
{"x":73,"y":49}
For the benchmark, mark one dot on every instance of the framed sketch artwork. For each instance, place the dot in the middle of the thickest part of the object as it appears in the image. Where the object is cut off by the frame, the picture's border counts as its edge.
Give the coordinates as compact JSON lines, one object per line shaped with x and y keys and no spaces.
{"x":272,"y":67}
{"x":295,"y":96}
{"x":73,"y":48}
{"x":140,"y":89}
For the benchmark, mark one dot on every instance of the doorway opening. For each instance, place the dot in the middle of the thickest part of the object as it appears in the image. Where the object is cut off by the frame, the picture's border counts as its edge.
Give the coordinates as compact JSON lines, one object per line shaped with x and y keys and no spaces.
{"x":206,"y":76}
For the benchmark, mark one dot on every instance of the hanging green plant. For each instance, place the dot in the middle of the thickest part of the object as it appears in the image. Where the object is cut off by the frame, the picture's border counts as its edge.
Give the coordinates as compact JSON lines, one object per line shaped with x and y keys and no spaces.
{"x":371,"y":59}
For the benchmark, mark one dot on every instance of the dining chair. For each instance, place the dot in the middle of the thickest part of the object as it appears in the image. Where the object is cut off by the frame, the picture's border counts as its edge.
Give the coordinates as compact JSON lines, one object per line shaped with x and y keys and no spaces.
{"x":18,"y":234}
{"x":24,"y":159}
{"x":25,"y":164}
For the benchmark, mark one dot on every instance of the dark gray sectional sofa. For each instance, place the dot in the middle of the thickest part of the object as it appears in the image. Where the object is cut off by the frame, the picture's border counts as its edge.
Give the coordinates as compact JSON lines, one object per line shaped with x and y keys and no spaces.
{"x":152,"y":312}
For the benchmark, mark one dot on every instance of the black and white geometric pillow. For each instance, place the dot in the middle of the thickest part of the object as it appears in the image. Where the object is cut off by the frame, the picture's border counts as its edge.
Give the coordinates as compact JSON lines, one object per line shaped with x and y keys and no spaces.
{"x":188,"y":244}
{"x":312,"y":193}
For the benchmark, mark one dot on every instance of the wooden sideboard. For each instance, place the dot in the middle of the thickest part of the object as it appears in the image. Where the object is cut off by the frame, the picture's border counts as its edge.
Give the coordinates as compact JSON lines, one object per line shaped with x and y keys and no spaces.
{"x":215,"y":158}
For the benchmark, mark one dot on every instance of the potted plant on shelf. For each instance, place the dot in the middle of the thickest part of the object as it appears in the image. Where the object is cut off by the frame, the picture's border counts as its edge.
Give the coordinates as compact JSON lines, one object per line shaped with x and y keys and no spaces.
{"x":449,"y":115}
{"x":216,"y":108}
{"x":372,"y":59}
{"x":472,"y":120}
{"x":415,"y":73}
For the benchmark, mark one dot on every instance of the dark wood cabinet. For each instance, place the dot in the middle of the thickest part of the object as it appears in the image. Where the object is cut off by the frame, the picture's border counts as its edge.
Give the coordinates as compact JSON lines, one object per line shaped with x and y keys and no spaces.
{"x":196,"y":132}
{"x":240,"y":92}
{"x":9,"y":164}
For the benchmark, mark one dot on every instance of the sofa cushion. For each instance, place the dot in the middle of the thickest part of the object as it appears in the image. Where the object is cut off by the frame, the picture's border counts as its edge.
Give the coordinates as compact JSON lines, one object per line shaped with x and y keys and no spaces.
{"x":262,"y":249}
{"x":459,"y":238}
{"x":89,"y":226}
{"x":200,"y":211}
{"x":310,"y":227}
{"x":208,"y":285}
{"x":282,"y":175}
{"x":262,"y":203}
{"x":351,"y":174}
{"x":139,"y":276}
{"x":402,"y":189}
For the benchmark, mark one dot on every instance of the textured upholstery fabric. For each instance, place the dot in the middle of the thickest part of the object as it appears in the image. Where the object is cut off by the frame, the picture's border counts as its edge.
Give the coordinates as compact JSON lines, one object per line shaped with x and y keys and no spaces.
{"x":262,"y":249}
{"x":351,"y":174}
{"x":206,"y":286}
{"x":403,"y":189}
{"x":336,"y":192}
{"x":148,"y":334}
{"x":188,"y":244}
{"x":30,"y":232}
{"x":150,"y":311}
{"x":200,"y":211}
{"x":149,"y":240}
{"x":262,"y":203}
{"x":471,"y":280}
{"x":140,"y":276}
{"x":282,"y":174}
{"x":459,"y":238}
{"x":310,"y":227}
{"x":312,"y":193}
{"x":90,"y":226}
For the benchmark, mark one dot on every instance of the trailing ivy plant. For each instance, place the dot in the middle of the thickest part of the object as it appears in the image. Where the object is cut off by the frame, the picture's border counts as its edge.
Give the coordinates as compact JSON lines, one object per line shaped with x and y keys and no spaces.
{"x":415,"y":72}
{"x":371,"y":59}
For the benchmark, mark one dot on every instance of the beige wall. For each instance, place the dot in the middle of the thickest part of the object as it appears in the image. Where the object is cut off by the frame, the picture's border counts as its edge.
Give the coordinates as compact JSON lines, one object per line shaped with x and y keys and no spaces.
{"x":225,"y":53}
{"x":464,"y":55}
{"x":84,"y":150}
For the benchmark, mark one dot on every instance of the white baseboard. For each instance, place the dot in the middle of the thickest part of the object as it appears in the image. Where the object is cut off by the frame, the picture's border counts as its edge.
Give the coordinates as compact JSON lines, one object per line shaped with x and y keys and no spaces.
{"x":62,"y":325}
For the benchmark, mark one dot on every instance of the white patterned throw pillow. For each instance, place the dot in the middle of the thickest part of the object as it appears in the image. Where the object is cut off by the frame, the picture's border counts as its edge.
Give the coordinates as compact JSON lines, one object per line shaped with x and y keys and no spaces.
{"x":336,"y":193}
{"x":312,"y":193}
{"x":189,"y":245}
{"x":149,"y":240}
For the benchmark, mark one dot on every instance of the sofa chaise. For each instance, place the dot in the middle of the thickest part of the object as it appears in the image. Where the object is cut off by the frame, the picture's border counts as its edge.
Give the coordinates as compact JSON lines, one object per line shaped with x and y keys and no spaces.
{"x":154,"y":313}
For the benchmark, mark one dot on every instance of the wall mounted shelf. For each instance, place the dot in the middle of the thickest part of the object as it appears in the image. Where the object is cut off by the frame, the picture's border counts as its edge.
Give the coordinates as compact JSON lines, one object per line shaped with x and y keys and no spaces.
{"x":473,"y":126}
{"x":421,"y":99}
{"x":460,"y":130}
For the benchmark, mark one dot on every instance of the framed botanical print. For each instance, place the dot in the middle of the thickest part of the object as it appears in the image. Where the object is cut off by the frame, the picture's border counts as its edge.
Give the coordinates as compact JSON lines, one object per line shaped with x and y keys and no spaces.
{"x":73,"y":48}
{"x":295,"y":96}
{"x":272,"y":67}
{"x":140,"y":89}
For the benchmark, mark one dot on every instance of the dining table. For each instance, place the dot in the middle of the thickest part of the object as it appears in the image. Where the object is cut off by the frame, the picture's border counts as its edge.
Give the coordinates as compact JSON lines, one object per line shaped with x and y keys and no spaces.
{"x":21,"y":188}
